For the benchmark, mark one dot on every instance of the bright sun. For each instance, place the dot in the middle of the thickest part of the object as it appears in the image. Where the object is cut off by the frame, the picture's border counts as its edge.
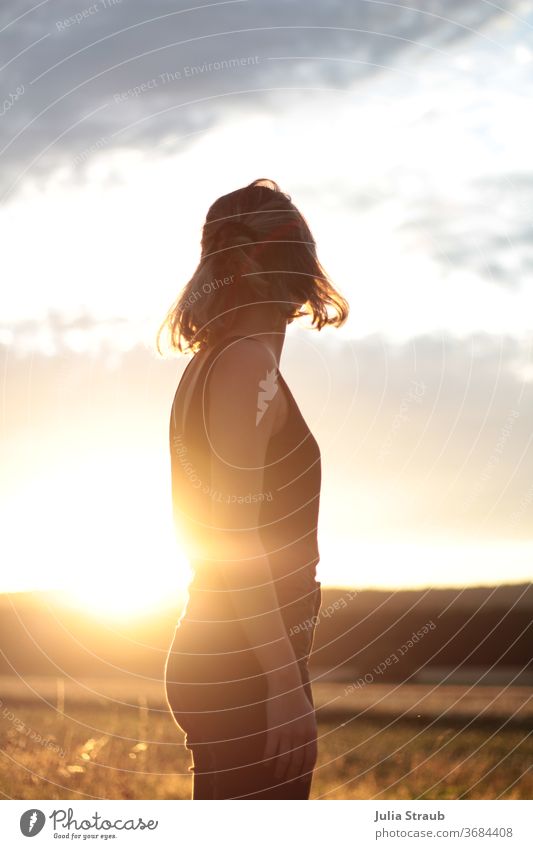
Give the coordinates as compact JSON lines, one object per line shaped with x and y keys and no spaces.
{"x":99,"y":536}
{"x":117,"y":601}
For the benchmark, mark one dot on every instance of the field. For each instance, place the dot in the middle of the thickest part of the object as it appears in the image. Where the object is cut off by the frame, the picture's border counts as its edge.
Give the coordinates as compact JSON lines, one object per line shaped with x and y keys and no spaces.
{"x":119,"y":751}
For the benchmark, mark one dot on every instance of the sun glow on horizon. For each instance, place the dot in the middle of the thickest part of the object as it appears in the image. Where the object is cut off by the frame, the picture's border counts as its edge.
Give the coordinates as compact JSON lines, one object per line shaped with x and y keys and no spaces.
{"x":120,"y":602}
{"x":101,"y":539}
{"x":91,"y":534}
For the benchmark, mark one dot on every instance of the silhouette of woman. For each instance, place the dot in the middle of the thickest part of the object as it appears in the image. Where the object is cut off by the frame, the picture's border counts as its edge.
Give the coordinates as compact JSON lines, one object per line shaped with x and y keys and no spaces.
{"x":246,"y":474}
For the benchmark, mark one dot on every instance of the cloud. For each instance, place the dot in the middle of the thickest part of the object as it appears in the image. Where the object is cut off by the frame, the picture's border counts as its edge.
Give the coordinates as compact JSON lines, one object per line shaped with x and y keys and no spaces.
{"x":121,"y":73}
{"x":485,"y":229}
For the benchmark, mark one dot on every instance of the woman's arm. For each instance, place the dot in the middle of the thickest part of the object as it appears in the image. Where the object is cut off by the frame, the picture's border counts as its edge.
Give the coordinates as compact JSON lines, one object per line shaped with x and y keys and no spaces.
{"x":238,"y":452}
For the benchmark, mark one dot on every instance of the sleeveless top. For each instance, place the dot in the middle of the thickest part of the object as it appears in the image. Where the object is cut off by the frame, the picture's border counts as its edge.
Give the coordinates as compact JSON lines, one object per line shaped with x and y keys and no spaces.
{"x":287,"y":523}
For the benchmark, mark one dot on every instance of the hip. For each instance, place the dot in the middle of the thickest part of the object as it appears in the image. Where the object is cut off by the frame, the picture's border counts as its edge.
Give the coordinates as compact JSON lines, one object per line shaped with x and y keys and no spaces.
{"x":209,"y":624}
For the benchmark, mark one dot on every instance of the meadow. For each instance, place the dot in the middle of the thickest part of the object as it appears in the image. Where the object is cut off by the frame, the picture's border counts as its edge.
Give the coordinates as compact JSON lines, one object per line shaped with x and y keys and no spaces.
{"x":117,"y":752}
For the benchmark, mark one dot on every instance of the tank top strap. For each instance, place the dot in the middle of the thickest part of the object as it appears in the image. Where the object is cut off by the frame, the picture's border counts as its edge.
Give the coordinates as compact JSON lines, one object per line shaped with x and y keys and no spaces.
{"x":201,"y":383}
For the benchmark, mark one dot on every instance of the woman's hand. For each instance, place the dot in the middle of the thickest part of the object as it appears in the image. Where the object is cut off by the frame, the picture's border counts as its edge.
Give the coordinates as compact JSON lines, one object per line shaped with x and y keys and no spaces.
{"x":292,"y":732}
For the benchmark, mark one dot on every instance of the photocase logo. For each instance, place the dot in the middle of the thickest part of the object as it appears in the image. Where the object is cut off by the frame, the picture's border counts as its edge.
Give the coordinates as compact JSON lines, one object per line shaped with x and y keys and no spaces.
{"x":32,"y":822}
{"x":268,"y":388}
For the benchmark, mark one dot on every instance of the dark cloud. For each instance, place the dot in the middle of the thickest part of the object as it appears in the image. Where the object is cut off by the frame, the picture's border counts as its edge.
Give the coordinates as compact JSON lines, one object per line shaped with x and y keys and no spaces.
{"x":70,"y":66}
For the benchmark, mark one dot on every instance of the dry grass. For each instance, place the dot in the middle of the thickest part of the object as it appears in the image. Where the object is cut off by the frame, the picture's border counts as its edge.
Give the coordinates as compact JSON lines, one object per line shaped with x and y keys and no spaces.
{"x":128,"y":753}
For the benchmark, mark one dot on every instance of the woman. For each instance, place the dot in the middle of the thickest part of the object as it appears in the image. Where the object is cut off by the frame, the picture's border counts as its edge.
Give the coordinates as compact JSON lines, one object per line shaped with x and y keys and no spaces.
{"x":246,"y":486}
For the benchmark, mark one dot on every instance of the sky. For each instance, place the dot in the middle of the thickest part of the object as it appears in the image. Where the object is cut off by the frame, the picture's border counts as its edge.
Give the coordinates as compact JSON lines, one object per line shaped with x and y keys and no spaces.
{"x":403,"y":134}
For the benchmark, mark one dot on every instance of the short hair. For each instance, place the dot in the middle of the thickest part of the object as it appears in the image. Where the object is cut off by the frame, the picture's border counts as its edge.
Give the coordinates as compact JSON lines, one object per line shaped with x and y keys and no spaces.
{"x":256,"y":247}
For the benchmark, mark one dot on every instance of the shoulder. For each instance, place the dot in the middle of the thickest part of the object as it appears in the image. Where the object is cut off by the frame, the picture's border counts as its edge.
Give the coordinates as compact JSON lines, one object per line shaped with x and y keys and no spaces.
{"x":243,"y":391}
{"x":245,"y":359}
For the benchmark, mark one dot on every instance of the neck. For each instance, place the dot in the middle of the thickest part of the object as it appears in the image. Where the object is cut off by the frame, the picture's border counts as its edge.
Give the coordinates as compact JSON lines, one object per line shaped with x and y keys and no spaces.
{"x":259,"y":322}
